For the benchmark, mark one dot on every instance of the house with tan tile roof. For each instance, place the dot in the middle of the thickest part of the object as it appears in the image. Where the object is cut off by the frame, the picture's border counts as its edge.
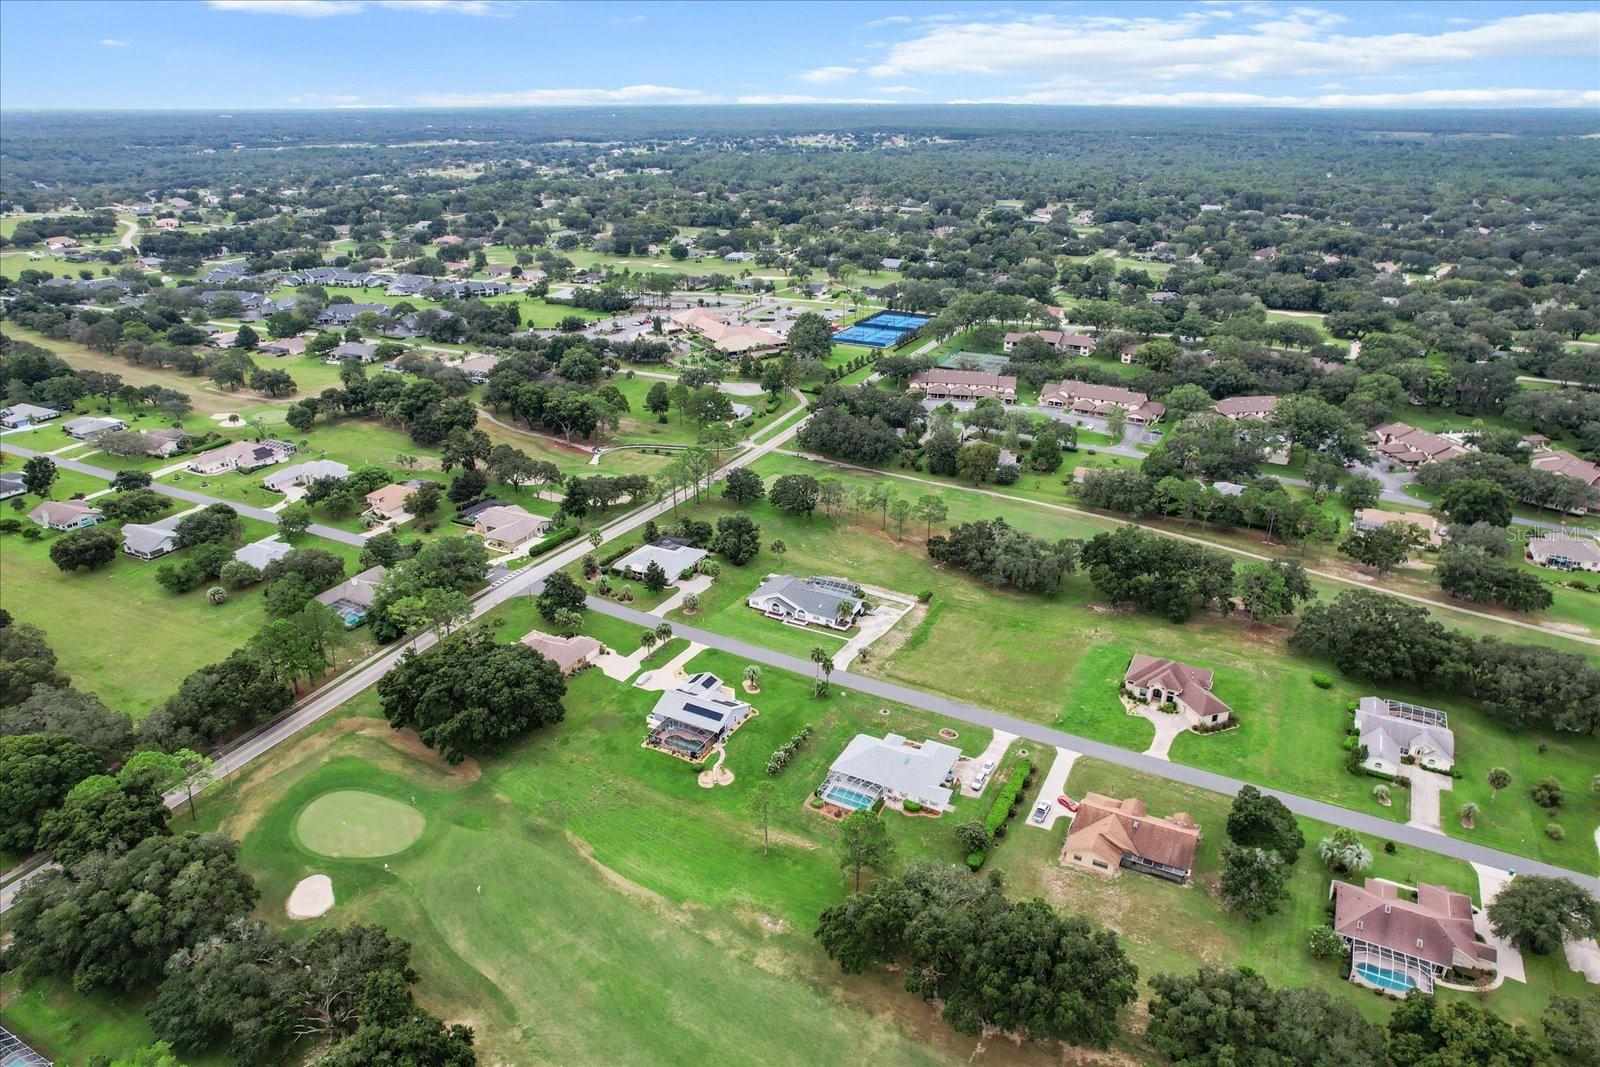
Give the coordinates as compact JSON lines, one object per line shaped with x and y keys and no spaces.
{"x":1109,"y":835}
{"x":570,"y":654}
{"x":948,"y":383}
{"x":507,"y":527}
{"x":1568,"y":466}
{"x":1396,"y":941}
{"x":1246,"y":407}
{"x":1433,"y":530}
{"x":1073,"y":344}
{"x":1089,"y":398}
{"x":65,"y":515}
{"x":389,"y":502}
{"x":1156,"y":681}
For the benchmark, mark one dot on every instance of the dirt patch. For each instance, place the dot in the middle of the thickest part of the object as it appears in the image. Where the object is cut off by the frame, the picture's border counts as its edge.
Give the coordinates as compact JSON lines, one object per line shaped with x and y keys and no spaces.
{"x":895,"y":639}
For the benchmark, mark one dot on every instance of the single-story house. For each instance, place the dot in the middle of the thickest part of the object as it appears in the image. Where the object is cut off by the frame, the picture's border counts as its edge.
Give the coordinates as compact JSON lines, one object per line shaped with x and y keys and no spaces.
{"x":1406,"y":446}
{"x":1563,"y":552}
{"x":1088,"y":398}
{"x":165,"y":442}
{"x":692,"y":717}
{"x":1073,"y":344}
{"x":260,"y":553}
{"x":890,"y":768}
{"x":1156,"y":681}
{"x":147,"y":542}
{"x":1259,"y":408}
{"x":1108,"y":835}
{"x":284,"y":346}
{"x":345,"y":314}
{"x":304,"y":474}
{"x":11,"y":484}
{"x":1568,"y":466}
{"x":18,"y":416}
{"x":352,"y":598}
{"x":570,"y":654}
{"x":675,"y":557}
{"x":88,"y":426}
{"x":508,"y":527}
{"x":241,"y":456}
{"x":389,"y":502}
{"x":65,"y":515}
{"x":1393,"y":731}
{"x":360,"y":351}
{"x":478,"y":366}
{"x":1421,"y":939}
{"x":1433,"y":530}
{"x":816,"y":600}
{"x":948,"y":383}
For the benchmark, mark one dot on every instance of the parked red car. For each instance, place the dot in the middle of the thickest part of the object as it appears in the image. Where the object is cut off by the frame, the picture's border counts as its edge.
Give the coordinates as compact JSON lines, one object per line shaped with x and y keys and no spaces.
{"x":1068,"y":803}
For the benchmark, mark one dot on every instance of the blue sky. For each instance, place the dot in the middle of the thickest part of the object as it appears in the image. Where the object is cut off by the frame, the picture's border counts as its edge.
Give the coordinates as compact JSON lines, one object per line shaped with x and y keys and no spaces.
{"x":463,"y":53}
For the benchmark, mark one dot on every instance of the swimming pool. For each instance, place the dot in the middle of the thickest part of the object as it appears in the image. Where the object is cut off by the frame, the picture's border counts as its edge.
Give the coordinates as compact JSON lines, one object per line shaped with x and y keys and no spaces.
{"x":1383,"y":978}
{"x":846,"y":797}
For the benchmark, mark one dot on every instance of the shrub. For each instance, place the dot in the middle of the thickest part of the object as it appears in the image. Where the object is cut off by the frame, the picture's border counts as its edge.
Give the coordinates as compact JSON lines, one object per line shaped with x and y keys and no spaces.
{"x":1547,"y":794}
{"x":780,"y":758}
{"x":910,"y":805}
{"x":1554,"y":832}
{"x":1005,"y":801}
{"x":560,"y":537}
{"x":217,"y":595}
{"x":925,"y":596}
{"x":1324,"y":943}
{"x":1321,"y":681}
{"x":975,"y":859}
{"x":1389,"y":848}
{"x":815,"y":802}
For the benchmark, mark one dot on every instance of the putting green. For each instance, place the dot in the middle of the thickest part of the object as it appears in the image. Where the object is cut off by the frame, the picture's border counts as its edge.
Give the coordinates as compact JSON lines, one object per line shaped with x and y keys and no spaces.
{"x":355,"y":823}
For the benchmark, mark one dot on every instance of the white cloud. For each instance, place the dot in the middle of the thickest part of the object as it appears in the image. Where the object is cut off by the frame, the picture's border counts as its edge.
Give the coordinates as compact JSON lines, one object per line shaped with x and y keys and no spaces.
{"x":898,"y":90}
{"x":321,"y":9}
{"x":1423,"y":98}
{"x":626,"y":20}
{"x":828,"y":75}
{"x":1191,"y":46}
{"x":112,"y":42}
{"x":324,"y":100}
{"x":803,"y":98}
{"x":627,"y":94}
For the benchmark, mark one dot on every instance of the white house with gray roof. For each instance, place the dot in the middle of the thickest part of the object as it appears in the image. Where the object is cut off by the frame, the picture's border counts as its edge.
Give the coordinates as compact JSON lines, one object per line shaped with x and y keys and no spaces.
{"x":675,"y":558}
{"x":305,"y":474}
{"x":813,"y":601}
{"x":91,"y":426}
{"x":890,"y":768}
{"x":695,"y":715}
{"x":1393,"y":731}
{"x":147,"y":542}
{"x":20,"y":416}
{"x":260,"y":553}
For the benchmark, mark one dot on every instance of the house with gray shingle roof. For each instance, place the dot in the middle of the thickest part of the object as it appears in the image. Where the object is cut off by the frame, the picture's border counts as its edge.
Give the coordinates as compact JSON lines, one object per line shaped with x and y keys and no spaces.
{"x":675,"y":559}
{"x":1394,"y":732}
{"x":809,"y":601}
{"x":260,"y":553}
{"x":91,"y":426}
{"x":18,"y":416}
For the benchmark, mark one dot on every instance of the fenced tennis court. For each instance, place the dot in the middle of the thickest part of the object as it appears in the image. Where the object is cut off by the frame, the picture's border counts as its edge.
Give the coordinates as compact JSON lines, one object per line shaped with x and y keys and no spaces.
{"x":880,"y":330}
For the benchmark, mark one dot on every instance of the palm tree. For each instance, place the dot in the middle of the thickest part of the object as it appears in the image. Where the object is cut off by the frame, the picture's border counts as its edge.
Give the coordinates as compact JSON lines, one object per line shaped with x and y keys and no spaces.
{"x":843,"y":616}
{"x":752,"y":677}
{"x":1499,"y":778}
{"x":819,"y":656}
{"x":664,"y":632}
{"x":691,"y":603}
{"x":778,"y":547}
{"x":647,"y":640}
{"x":1344,"y":852}
{"x":1469,"y":815}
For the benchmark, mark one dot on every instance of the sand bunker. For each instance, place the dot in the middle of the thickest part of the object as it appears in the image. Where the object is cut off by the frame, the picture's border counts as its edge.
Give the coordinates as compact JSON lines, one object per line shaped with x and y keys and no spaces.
{"x":227,"y":418}
{"x":311,"y":897}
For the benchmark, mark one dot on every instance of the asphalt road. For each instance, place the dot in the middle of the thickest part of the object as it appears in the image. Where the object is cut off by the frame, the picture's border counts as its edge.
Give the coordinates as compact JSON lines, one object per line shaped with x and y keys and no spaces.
{"x":505,"y":585}
{"x":1177,"y":772}
{"x":190,"y":496}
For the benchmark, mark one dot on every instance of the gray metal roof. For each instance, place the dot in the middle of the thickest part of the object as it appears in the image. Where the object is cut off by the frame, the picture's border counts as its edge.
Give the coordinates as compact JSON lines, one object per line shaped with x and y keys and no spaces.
{"x":260,"y":553}
{"x":141,"y":538}
{"x":890,"y":763}
{"x":699,"y":703}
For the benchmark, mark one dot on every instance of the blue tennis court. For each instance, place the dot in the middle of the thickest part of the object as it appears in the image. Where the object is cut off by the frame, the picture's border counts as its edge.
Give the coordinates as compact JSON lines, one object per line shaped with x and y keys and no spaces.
{"x":880,"y":330}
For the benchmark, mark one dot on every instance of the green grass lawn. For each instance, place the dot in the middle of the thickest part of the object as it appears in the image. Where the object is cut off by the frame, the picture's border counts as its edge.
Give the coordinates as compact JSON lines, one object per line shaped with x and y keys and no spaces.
{"x":1058,"y":660}
{"x":118,"y":634}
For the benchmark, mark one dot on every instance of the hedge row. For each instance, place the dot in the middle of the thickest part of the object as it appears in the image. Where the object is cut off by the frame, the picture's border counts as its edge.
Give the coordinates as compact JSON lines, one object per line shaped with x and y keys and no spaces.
{"x":1005,"y":801}
{"x":780,"y":759}
{"x":560,"y":537}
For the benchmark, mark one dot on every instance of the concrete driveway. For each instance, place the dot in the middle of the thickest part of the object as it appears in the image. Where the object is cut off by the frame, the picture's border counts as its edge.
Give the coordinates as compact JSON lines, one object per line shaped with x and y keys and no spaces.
{"x":968,"y":770}
{"x":1055,"y":785}
{"x":1509,"y":960}
{"x":1425,"y":789}
{"x":890,"y":609}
